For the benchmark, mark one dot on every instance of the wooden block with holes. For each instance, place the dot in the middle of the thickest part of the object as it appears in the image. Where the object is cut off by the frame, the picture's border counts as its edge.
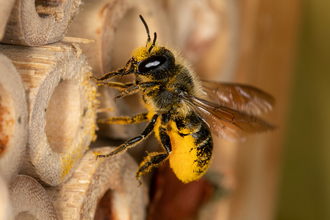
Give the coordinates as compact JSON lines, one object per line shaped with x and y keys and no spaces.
{"x":61,"y":104}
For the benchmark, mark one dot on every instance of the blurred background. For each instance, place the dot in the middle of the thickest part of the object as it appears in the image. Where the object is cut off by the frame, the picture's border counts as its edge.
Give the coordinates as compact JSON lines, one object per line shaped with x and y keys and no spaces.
{"x":304,"y":191}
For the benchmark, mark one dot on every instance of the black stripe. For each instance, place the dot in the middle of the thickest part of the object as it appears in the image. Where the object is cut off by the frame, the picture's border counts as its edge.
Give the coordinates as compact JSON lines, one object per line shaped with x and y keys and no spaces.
{"x":201,"y":135}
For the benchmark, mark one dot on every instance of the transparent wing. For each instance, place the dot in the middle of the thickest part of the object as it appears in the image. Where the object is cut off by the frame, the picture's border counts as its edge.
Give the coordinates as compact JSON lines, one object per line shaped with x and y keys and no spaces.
{"x":225,"y":122}
{"x":239,"y":97}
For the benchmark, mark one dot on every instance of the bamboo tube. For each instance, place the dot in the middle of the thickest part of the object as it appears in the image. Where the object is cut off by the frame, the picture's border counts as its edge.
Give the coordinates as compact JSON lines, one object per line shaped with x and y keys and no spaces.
{"x":117,"y":30}
{"x":30,"y":200}
{"x":61,"y":105}
{"x":79,"y":197}
{"x":5,"y":9}
{"x":39,"y":22}
{"x":5,"y":204}
{"x":13,"y":120}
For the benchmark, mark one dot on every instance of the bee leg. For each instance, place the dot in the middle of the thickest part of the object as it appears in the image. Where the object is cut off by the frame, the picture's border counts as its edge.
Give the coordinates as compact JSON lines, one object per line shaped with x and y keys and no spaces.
{"x":152,"y":160}
{"x":134,"y":141}
{"x":156,"y":158}
{"x":125,"y":119}
{"x":116,"y":85}
{"x":105,"y":78}
{"x":136,"y":87}
{"x":129,"y":91}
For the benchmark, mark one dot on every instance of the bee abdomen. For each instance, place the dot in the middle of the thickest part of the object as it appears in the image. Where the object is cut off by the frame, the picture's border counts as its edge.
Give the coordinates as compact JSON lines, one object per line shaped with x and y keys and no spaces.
{"x":191,"y":151}
{"x":204,"y":144}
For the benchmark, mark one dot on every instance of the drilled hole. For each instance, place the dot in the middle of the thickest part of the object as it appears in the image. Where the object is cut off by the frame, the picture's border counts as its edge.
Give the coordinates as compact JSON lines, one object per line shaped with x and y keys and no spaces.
{"x":45,"y":8}
{"x":63,"y":116}
{"x":104,"y":207}
{"x":112,"y":205}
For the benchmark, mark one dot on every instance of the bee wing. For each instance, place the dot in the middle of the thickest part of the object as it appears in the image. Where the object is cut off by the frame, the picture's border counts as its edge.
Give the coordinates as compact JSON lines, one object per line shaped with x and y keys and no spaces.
{"x":239,"y":97}
{"x":227,"y":123}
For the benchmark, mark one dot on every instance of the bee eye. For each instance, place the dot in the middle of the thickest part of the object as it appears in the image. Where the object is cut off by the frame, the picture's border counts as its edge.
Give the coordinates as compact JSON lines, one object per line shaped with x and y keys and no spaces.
{"x":151,"y":63}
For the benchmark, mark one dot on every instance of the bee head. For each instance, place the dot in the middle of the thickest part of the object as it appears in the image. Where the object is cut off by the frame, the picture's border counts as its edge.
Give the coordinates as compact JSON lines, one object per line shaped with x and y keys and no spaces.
{"x":152,"y":61}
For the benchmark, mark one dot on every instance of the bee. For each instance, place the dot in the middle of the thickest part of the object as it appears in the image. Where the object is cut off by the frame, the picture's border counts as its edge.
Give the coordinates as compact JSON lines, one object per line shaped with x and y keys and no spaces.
{"x":183,"y":110}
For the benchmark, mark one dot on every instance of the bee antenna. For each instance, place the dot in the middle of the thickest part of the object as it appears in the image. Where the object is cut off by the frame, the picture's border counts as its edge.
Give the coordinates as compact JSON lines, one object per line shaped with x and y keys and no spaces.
{"x":153,"y":43}
{"x":146,"y":26}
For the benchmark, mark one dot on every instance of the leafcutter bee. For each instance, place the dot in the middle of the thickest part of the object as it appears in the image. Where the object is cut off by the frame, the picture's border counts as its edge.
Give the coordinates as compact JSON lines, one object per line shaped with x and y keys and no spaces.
{"x":183,"y":110}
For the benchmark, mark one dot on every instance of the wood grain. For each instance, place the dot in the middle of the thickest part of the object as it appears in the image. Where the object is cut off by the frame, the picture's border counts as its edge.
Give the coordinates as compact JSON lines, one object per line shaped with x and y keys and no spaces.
{"x":79,"y":197}
{"x":13,"y":120}
{"x":61,"y":104}
{"x":39,"y":22}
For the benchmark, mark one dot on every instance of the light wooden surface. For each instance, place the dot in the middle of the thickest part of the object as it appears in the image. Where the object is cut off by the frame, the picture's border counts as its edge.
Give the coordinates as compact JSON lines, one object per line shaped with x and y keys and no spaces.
{"x":5,"y":10}
{"x":30,"y":200}
{"x":39,"y":22}
{"x":78,"y":197}
{"x":13,"y":120}
{"x":61,"y":105}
